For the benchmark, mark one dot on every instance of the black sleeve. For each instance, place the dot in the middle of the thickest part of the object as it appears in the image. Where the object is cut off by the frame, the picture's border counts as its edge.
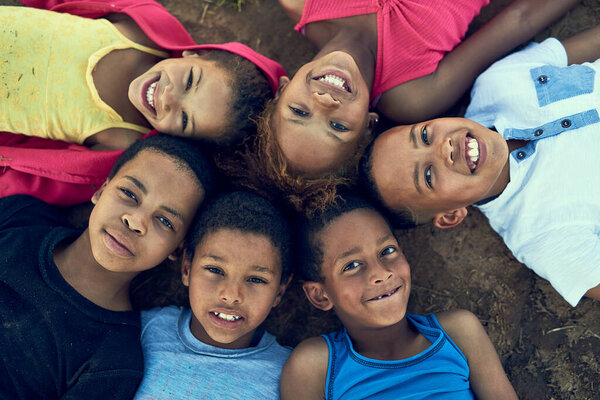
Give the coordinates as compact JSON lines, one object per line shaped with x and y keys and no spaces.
{"x":22,"y":210}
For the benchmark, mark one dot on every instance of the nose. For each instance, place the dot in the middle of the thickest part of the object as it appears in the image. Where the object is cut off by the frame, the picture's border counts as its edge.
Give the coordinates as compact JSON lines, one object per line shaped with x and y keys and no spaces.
{"x":447,"y":151}
{"x":379,"y":273}
{"x":169,"y":98}
{"x":231,"y":293}
{"x":135,"y":222}
{"x":325,"y":100}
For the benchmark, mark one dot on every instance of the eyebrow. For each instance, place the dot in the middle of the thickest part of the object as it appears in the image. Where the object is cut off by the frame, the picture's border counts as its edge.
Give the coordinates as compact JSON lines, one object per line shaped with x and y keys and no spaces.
{"x":196,"y":91}
{"x":413,"y":136}
{"x":345,"y":254}
{"x":385,"y":239}
{"x":141,"y":186}
{"x":265,"y":270}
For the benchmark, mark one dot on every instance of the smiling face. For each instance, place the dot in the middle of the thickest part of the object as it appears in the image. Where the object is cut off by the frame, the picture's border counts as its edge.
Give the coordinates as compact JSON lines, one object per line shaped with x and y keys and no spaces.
{"x":142,"y":213}
{"x":366,"y":277}
{"x":187,"y":96}
{"x":438,"y":166}
{"x":321,"y":115}
{"x":234,"y":281}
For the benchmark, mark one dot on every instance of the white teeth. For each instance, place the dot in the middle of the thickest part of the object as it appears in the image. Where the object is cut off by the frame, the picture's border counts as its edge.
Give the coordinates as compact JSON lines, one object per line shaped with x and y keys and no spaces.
{"x":150,"y":93}
{"x":227,"y":317}
{"x":333,"y":80}
{"x":473,"y":150}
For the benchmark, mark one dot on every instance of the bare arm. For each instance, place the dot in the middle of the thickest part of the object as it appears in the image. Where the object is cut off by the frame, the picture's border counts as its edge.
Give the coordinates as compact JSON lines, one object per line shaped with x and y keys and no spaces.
{"x":305,"y":372}
{"x":293,"y":9}
{"x":487,"y":376}
{"x":583,"y":47}
{"x":431,"y":95}
{"x":593,"y":293}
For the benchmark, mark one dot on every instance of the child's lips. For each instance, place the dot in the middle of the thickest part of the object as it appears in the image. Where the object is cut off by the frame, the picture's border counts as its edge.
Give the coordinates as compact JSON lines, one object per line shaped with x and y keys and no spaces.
{"x":118,"y":243}
{"x":386,"y":294}
{"x":228,"y":319}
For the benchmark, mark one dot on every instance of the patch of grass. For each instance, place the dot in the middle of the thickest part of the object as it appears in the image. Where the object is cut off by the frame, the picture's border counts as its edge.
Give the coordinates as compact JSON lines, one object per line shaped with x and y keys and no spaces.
{"x":231,"y":3}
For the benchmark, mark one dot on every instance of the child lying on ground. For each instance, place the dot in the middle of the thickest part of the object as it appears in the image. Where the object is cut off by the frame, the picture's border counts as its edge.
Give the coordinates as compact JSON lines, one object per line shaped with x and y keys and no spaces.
{"x":535,"y":178}
{"x":105,"y":82}
{"x":236,"y":266}
{"x":353,"y":264}
{"x":407,"y":54}
{"x":67,"y":327}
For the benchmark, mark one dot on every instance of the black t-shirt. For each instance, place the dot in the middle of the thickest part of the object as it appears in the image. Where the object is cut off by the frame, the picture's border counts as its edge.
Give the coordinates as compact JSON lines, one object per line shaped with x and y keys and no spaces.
{"x":54,"y":343}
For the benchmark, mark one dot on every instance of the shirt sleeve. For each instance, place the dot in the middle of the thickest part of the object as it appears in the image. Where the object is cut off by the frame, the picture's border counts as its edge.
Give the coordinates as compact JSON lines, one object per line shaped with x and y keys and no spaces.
{"x":568,"y":257}
{"x":22,"y":210}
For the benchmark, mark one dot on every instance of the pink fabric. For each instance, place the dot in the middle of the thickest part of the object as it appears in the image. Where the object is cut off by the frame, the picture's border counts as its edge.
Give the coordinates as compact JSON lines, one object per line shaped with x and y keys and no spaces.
{"x":413,"y":35}
{"x":65,"y":173}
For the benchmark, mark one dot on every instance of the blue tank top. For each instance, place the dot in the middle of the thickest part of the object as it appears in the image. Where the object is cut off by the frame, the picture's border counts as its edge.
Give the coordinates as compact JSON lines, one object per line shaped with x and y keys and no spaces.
{"x":440,"y":372}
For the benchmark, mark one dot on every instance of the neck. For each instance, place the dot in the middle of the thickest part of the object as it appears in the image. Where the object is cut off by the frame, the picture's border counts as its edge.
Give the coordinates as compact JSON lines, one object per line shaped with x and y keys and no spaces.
{"x":396,"y":342}
{"x":356,"y":36}
{"x":504,"y":177}
{"x":79,"y":268}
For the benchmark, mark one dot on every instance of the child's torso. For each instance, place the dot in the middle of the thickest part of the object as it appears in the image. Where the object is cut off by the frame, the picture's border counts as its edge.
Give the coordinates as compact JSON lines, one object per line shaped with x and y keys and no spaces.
{"x":441,"y":371}
{"x":47,"y":67}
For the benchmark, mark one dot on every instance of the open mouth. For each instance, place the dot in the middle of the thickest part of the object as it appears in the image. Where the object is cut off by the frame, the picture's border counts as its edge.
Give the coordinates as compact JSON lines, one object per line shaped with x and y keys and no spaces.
{"x":383,"y":296}
{"x":149,"y":93}
{"x":336,"y":80}
{"x":226,"y":317}
{"x":471,"y":152}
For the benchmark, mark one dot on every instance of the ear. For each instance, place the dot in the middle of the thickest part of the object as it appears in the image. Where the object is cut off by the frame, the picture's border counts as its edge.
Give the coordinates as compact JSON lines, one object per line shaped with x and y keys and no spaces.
{"x":189,"y":53}
{"x":186,"y":269}
{"x":450,"y":219}
{"x":315,"y":293}
{"x":373,"y":120}
{"x":98,"y":193}
{"x":177,"y":252}
{"x":283,"y":82}
{"x":282,"y":287}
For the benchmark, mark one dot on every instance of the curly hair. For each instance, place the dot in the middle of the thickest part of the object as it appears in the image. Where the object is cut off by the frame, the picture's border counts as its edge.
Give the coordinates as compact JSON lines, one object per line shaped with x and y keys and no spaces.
{"x":246,"y":212}
{"x":250,"y":89}
{"x":260,"y":165}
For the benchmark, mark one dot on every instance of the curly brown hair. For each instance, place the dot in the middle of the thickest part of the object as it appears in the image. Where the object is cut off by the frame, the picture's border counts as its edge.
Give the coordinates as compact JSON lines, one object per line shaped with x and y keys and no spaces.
{"x":260,"y":165}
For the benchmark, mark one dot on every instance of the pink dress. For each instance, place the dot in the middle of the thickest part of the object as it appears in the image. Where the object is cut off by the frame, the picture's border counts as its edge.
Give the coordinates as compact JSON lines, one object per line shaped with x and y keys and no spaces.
{"x":412,"y":35}
{"x":63,"y":173}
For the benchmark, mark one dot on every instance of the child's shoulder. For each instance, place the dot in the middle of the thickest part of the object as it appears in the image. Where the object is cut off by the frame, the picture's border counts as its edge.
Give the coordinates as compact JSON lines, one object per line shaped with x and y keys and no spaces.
{"x":456,"y":321}
{"x":305,"y":371}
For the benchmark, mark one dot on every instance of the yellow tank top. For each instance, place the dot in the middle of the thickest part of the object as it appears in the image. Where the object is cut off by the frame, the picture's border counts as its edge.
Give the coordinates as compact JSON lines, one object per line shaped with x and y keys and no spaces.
{"x":46,"y":83}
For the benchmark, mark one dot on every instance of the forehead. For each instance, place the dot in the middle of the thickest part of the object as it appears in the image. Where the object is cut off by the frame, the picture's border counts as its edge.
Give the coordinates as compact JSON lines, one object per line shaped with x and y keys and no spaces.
{"x":164,"y":178}
{"x":238,"y":248}
{"x":393,"y":164}
{"x":355,"y":230}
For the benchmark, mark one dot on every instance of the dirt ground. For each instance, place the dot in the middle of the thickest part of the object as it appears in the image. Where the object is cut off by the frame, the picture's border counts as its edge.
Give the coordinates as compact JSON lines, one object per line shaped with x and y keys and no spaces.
{"x":549,"y":349}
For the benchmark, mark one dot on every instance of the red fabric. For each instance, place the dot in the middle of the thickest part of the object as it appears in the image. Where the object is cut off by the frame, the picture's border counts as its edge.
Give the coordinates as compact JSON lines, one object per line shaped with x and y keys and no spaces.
{"x":412,"y":35}
{"x":65,"y":173}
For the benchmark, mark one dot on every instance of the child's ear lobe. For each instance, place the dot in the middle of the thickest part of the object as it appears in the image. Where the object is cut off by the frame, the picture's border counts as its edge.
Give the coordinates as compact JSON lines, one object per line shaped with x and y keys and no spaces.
{"x":450,"y":219}
{"x":283,"y":82}
{"x":98,"y":193}
{"x":282,"y":287}
{"x":177,"y":252}
{"x":315,"y":293}
{"x":186,"y":268}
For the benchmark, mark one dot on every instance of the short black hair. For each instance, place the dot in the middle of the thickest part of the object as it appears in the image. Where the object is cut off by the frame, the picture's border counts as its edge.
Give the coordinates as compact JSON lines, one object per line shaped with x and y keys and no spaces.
{"x":187,"y":155}
{"x":250,"y":92}
{"x":249,"y":213}
{"x":400,"y":218}
{"x":310,"y":248}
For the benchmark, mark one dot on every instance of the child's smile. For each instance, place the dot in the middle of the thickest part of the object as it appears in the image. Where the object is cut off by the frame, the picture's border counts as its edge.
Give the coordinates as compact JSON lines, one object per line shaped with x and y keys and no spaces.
{"x":234,"y":281}
{"x":366,"y":277}
{"x":186,"y":96}
{"x":439,"y":165}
